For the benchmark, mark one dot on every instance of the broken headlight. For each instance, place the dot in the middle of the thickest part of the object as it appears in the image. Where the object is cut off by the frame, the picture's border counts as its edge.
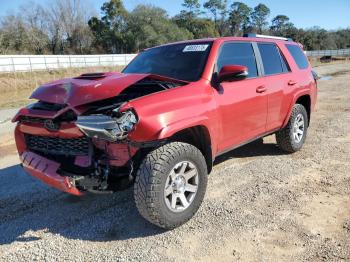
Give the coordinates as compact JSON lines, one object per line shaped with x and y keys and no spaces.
{"x":111,"y":128}
{"x":126,"y":121}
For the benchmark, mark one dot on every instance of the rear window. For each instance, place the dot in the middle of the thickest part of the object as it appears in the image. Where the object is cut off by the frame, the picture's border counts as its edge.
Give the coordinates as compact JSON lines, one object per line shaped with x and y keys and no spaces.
{"x":298,"y":55}
{"x":272,"y":60}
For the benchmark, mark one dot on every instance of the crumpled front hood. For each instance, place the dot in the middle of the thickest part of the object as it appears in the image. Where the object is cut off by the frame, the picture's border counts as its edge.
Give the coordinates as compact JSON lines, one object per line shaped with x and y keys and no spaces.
{"x":79,"y":91}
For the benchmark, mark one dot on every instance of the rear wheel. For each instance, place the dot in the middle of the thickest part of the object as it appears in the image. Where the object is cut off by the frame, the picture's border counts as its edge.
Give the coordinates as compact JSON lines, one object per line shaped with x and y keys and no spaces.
{"x":292,"y":137}
{"x":170,"y":184}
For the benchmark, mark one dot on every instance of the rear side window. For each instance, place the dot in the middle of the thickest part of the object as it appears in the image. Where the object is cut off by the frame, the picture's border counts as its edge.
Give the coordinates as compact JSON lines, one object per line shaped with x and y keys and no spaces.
{"x":298,"y":55}
{"x":272,"y":59}
{"x":238,"y":54}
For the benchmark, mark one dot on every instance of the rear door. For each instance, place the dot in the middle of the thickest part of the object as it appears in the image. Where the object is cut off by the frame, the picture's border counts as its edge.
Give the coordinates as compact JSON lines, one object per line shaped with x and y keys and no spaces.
{"x":242,"y":104}
{"x":277,"y":78}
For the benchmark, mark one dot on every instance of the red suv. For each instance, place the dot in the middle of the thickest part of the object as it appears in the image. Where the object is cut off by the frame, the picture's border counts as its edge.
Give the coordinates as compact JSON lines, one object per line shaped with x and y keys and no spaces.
{"x":161,"y":122}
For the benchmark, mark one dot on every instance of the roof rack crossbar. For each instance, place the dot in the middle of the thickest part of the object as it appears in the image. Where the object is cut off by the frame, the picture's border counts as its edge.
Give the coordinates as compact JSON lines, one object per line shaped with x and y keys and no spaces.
{"x":267,"y":36}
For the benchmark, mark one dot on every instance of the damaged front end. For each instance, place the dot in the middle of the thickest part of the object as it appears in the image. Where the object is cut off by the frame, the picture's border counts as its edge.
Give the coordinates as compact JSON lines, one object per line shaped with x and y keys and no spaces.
{"x":112,"y":153}
{"x":92,"y":154}
{"x":83,"y":145}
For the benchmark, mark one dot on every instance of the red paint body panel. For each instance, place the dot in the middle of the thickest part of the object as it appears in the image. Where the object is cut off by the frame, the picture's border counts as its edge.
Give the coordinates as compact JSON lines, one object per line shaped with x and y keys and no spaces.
{"x":244,"y":115}
{"x":46,"y":171}
{"x":233,"y":114}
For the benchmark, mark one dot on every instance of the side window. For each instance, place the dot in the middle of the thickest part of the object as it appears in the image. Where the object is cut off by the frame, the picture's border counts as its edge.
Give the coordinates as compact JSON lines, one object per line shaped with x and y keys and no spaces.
{"x":238,"y":54}
{"x":298,"y":56}
{"x":272,"y":60}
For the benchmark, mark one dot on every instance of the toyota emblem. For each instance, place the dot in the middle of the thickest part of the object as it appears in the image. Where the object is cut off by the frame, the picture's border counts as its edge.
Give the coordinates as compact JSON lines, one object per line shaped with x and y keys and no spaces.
{"x":51,"y":125}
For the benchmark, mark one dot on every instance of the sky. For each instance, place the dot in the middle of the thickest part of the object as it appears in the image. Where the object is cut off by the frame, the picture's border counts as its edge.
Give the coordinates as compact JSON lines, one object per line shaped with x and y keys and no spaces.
{"x":303,"y":13}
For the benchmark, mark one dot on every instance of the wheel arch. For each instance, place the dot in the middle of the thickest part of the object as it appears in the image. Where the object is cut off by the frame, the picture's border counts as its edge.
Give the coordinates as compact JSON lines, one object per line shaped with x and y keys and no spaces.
{"x":304,"y":99}
{"x":198,"y":136}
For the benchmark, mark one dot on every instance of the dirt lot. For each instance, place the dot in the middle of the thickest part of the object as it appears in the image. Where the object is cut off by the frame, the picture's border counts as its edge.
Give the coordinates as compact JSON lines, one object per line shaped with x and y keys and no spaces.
{"x":261,"y":204}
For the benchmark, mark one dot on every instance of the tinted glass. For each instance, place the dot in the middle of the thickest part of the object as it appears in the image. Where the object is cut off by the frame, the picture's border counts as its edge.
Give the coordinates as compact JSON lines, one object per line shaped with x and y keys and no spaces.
{"x":271,"y":59}
{"x":285,"y":65}
{"x":238,"y":54}
{"x":184,"y":61}
{"x":298,"y":55}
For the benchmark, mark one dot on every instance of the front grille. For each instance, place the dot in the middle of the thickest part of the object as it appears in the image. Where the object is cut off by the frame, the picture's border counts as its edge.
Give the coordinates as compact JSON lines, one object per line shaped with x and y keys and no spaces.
{"x":58,"y":146}
{"x":68,"y":116}
{"x":30,"y":119}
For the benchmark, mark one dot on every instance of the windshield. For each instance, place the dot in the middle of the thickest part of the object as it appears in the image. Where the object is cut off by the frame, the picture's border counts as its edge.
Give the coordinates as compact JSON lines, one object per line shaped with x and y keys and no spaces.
{"x":184,"y":61}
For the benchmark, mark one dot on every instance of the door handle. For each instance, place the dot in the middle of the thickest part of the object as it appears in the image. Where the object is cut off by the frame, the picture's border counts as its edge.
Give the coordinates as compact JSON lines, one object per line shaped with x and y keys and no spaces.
{"x":261,"y":89}
{"x":291,"y":82}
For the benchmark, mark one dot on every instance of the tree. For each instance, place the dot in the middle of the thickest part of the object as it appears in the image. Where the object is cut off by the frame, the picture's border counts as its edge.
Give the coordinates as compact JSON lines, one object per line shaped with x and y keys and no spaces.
{"x":35,"y":24}
{"x":259,"y":17}
{"x":281,"y":25}
{"x":316,"y":38}
{"x":13,"y":35}
{"x":218,"y":8}
{"x":193,"y":7}
{"x":189,"y":19}
{"x":341,"y":38}
{"x":109,"y":31}
{"x":66,"y":22}
{"x":198,"y":27}
{"x":239,"y":18}
{"x":150,"y":26}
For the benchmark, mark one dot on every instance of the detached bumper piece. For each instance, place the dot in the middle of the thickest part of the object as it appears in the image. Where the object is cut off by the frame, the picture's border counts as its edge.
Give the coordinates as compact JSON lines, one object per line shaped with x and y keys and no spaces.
{"x":46,"y":171}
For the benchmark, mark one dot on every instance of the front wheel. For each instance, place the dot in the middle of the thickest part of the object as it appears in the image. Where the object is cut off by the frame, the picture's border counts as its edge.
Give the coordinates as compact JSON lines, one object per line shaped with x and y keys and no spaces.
{"x":170,"y":184}
{"x":292,"y":137}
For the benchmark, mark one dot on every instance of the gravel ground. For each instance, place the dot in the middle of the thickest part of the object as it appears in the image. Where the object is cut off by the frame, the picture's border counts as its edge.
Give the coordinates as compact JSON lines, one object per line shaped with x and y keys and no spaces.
{"x":261,"y":204}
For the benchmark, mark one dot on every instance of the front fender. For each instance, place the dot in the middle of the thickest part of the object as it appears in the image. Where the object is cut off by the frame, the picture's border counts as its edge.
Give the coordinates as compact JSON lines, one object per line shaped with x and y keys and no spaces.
{"x":175,"y":127}
{"x":159,"y":132}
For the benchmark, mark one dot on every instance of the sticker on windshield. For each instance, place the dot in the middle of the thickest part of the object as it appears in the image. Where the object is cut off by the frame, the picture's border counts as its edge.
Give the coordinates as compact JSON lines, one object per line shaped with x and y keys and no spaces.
{"x":195,"y":48}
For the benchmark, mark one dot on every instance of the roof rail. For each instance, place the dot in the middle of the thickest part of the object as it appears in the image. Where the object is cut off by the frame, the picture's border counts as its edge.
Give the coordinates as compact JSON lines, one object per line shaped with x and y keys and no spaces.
{"x":268,"y":36}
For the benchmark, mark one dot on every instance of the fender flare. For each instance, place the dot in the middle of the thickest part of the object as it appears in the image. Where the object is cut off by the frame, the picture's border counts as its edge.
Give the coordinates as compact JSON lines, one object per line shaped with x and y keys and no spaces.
{"x":296,"y":96}
{"x":175,"y":127}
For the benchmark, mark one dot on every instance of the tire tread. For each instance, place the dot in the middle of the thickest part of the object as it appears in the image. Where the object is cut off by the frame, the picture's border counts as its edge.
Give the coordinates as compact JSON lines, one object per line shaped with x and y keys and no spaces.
{"x":148,"y":180}
{"x":283,"y":136}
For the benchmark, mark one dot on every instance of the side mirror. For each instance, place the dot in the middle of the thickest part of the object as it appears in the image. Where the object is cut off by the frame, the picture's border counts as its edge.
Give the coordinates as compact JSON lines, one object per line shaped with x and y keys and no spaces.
{"x":232,"y":73}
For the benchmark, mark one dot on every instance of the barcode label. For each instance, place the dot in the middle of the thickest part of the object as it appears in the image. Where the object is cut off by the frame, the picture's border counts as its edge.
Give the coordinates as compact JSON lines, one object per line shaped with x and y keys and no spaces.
{"x":195,"y":48}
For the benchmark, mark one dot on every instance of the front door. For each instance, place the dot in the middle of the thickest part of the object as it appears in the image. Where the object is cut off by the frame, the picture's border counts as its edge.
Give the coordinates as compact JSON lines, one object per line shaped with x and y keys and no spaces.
{"x":242,"y":104}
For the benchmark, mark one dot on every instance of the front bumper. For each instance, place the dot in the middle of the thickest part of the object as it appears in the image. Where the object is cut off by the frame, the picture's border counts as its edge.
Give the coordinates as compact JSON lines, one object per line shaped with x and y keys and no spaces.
{"x":46,"y":171}
{"x":51,"y":170}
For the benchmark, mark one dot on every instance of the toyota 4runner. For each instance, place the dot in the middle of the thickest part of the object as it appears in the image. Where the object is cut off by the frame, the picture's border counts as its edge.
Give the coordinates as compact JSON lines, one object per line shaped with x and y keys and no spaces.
{"x":160,"y":123}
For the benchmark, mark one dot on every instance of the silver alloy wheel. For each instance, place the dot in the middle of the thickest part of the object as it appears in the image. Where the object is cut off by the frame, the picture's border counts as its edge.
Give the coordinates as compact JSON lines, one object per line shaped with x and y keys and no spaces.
{"x":181,"y":186}
{"x":298,"y":128}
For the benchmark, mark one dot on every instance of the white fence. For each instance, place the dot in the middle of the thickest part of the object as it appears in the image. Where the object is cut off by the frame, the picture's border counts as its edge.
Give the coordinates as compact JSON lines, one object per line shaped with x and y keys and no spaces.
{"x":28,"y":63}
{"x":339,"y":52}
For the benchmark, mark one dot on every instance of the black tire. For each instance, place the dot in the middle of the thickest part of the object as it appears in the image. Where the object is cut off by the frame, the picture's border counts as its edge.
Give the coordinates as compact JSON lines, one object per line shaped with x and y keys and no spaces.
{"x":151,"y":181}
{"x":285,"y":138}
